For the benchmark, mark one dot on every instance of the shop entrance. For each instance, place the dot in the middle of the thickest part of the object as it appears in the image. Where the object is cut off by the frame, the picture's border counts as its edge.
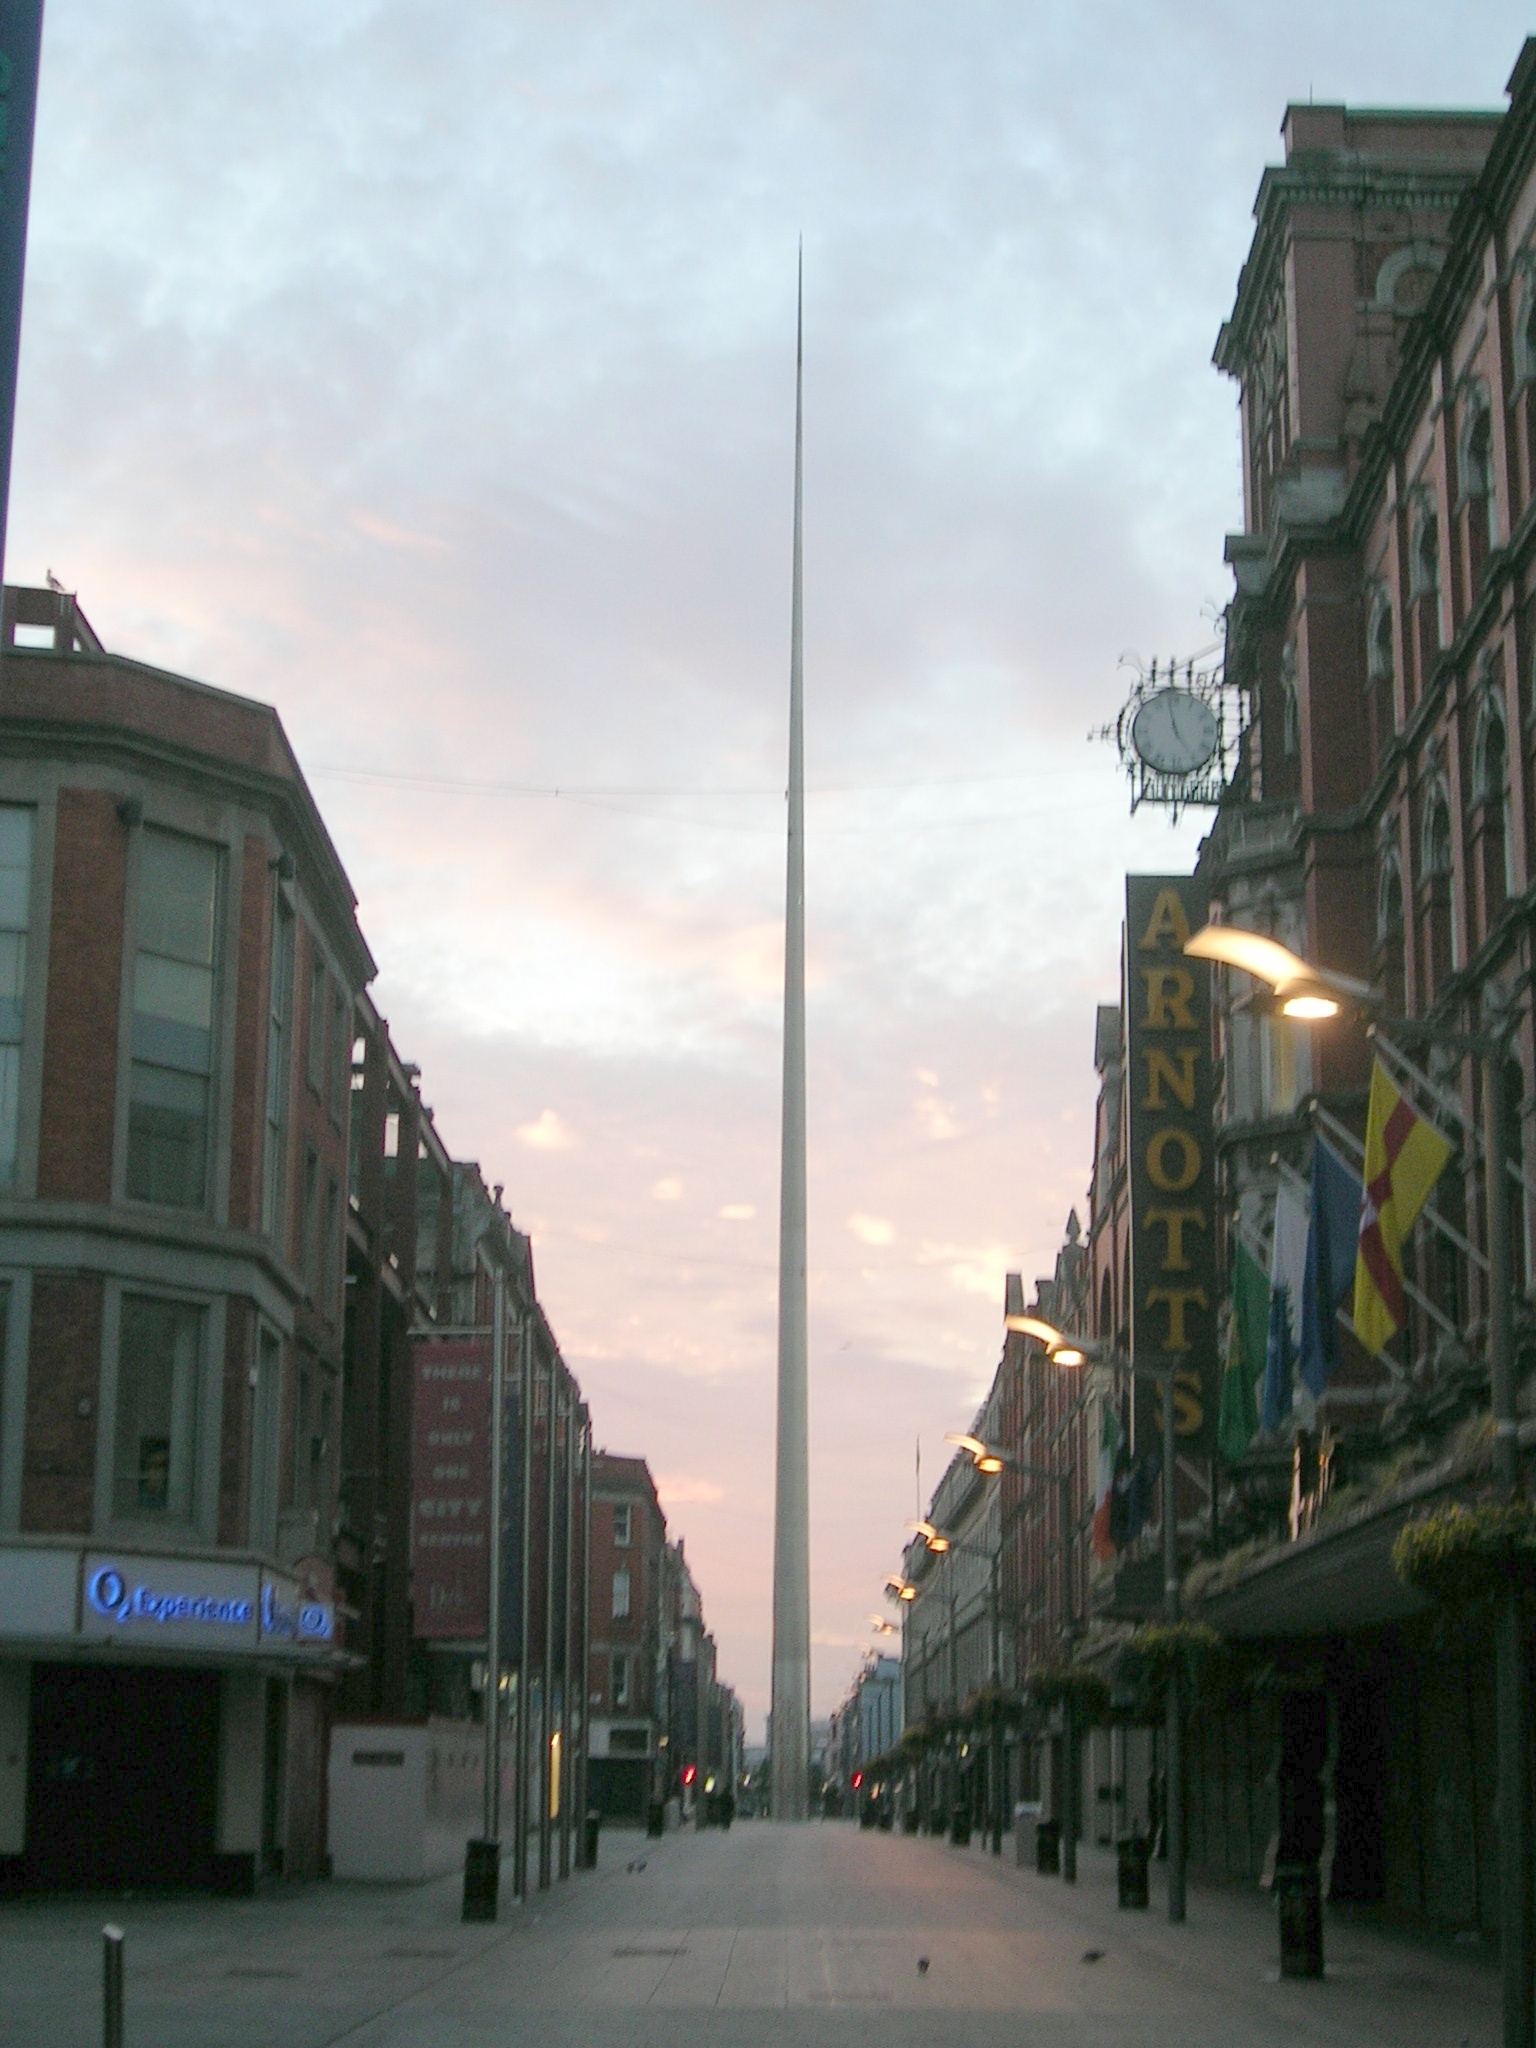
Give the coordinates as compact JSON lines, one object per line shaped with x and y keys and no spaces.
{"x":123,"y":1777}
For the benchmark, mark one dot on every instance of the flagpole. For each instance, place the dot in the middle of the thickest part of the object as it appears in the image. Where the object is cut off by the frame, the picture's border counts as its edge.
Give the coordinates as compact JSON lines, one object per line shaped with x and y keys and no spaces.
{"x":790,"y":1716}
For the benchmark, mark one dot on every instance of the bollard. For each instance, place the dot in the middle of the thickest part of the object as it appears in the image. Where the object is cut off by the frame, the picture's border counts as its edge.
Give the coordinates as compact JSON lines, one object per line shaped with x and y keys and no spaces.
{"x":112,"y":1987}
{"x":1298,"y":1893}
{"x":482,"y":1880}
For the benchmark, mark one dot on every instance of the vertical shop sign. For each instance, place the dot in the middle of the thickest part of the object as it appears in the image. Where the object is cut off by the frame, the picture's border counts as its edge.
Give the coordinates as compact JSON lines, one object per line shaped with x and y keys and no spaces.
{"x":1174,"y":1289}
{"x":450,"y":1511}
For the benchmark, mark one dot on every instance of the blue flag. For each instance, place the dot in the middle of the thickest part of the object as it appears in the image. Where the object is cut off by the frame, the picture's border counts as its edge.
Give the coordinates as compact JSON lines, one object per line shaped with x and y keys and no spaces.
{"x":1333,"y":1236}
{"x":1287,"y":1279}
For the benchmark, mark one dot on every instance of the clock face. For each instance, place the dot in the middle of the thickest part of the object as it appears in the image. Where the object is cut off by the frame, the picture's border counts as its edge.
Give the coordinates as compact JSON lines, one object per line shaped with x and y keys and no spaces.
{"x":1175,"y":732}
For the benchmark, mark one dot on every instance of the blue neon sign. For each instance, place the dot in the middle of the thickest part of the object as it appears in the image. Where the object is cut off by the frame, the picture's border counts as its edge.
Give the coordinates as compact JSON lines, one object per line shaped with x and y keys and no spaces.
{"x":114,"y":1598}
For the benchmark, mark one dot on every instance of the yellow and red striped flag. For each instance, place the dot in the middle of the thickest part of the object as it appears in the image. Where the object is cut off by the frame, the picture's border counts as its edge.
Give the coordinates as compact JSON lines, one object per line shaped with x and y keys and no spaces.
{"x":1404,"y":1157}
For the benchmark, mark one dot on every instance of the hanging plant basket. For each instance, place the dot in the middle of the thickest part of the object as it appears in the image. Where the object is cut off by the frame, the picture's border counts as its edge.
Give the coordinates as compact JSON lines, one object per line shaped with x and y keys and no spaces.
{"x":992,"y":1707}
{"x":1466,"y":1554}
{"x":1074,"y":1685}
{"x":1159,"y":1649}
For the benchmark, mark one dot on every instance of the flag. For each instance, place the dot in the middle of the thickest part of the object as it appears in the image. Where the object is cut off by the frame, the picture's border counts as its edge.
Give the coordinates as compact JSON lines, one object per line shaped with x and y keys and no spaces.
{"x":1131,"y":1502}
{"x":1332,"y":1239}
{"x":1109,"y":1451}
{"x":1404,"y":1157}
{"x":1287,"y":1279}
{"x":1247,"y":1332}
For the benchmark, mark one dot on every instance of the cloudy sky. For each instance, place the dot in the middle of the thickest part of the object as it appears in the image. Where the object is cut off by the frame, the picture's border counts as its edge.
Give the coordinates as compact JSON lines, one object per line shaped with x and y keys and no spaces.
{"x":425,"y":368}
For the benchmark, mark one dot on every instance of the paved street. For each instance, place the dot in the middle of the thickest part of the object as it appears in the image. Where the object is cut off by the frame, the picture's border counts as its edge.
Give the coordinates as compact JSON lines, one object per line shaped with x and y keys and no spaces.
{"x":767,"y":1936}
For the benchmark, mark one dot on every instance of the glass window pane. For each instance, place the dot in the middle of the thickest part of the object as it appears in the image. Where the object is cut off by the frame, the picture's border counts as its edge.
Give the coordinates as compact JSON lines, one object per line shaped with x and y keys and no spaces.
{"x":10,"y":1092}
{"x":157,"y":1373}
{"x":15,"y":866}
{"x":13,"y":966}
{"x":167,"y":1137}
{"x":175,"y":989}
{"x":176,"y":897}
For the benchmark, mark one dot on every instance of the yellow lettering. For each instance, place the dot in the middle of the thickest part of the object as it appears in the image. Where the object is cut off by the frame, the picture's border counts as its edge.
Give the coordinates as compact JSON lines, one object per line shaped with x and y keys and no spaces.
{"x":1166,"y":922}
{"x":1180,"y":1079}
{"x":1169,"y":990}
{"x":1188,"y":1403}
{"x":1175,"y":1222}
{"x":1178,"y":1299}
{"x":1172,"y":1180}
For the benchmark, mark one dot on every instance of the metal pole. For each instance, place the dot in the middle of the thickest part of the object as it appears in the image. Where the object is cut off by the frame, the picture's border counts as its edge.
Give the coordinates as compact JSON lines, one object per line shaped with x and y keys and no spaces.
{"x":112,"y":1987}
{"x":568,"y":1717}
{"x":998,"y":1790}
{"x":525,"y":1623}
{"x":1513,"y":1797}
{"x":546,"y":1687}
{"x":1174,"y":1795}
{"x":492,"y":1815}
{"x":1069,"y":1764}
{"x":583,"y":1740}
{"x":791,"y":1696}
{"x":21,"y":34}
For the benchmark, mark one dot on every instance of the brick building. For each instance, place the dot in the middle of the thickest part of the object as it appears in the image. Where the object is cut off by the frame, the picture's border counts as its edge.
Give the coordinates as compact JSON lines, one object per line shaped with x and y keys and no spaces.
{"x":182,"y":960}
{"x":229,"y":1229}
{"x":626,"y":1681}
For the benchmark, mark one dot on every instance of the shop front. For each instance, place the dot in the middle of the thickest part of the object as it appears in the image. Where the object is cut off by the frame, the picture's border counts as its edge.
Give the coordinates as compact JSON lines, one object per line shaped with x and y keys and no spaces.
{"x":162,"y":1719}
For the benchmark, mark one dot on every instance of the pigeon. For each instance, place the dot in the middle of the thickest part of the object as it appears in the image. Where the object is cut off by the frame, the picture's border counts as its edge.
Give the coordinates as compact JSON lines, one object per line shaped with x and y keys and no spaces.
{"x":922,"y":1966}
{"x":1093,"y":1955}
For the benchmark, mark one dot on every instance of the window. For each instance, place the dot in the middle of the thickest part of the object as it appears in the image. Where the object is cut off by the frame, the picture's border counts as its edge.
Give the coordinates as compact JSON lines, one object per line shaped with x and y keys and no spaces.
{"x":173,"y":1013}
{"x":620,"y":1595}
{"x":1424,"y":565}
{"x":1379,"y":659}
{"x":15,"y":897}
{"x":265,"y":1404}
{"x":1477,"y":463}
{"x":623,"y":1516}
{"x":309,"y":1224}
{"x":279,"y":1005}
{"x":330,"y":1273}
{"x":1437,"y":834}
{"x":317,"y":1016}
{"x":154,"y":1462}
{"x":312,"y":1422}
{"x":341,"y":1055}
{"x":620,"y":1682}
{"x":1389,"y":899}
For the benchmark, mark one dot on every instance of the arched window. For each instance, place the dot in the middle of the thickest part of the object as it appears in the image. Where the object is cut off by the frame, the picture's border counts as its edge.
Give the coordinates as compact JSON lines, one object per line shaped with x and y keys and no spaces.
{"x":1435,"y":865}
{"x":1380,"y":663}
{"x":1435,"y":856}
{"x":1477,"y":467}
{"x":1389,"y":898}
{"x":1389,"y":919}
{"x":1425,"y":562}
{"x":1490,"y":793}
{"x":1525,"y":327}
{"x":1106,"y":1308}
{"x":1290,"y":707}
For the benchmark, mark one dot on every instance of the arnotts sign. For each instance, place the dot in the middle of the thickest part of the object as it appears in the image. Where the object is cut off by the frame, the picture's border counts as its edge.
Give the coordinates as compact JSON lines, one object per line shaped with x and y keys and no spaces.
{"x":1174,"y":1288}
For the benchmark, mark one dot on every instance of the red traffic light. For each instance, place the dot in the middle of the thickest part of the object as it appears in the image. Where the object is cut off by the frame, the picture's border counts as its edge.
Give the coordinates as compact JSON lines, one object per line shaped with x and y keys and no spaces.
{"x":858,"y":1779}
{"x":690,"y":1772}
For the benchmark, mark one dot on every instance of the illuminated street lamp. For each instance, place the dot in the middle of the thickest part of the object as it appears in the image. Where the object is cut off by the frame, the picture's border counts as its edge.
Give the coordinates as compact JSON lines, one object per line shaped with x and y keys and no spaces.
{"x":899,"y":1589}
{"x":935,"y":1539}
{"x":1070,"y":1351}
{"x":1314,"y":993}
{"x":1310,"y":994}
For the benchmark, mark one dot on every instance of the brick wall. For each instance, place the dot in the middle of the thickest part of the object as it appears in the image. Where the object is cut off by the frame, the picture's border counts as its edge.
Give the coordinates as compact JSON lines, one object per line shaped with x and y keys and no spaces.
{"x":85,"y":956}
{"x":58,"y":1475}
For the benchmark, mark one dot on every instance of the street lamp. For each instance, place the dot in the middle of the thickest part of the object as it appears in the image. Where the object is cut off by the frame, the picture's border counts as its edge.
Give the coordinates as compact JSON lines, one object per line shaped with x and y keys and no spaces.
{"x":938,"y":1543}
{"x":1069,"y":1351}
{"x":1313,"y":993}
{"x":988,"y":1458}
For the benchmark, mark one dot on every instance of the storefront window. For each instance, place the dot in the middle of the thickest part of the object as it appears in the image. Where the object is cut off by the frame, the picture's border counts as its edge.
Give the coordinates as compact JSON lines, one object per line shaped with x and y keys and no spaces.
{"x":159,"y":1355}
{"x":15,"y":895}
{"x":173,"y":1012}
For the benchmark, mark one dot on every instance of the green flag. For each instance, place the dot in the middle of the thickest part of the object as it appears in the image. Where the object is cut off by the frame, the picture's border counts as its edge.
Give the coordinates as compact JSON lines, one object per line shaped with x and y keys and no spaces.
{"x":1239,"y":1422}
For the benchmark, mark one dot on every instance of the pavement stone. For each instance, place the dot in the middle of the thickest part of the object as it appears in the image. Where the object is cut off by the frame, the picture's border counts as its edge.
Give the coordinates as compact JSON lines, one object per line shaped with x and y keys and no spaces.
{"x":786,"y":1937}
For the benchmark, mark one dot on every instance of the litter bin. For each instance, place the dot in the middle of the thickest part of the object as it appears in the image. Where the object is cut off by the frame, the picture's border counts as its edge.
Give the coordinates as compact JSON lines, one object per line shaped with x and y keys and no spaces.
{"x":655,"y":1818}
{"x":482,"y":1880}
{"x":960,"y":1828}
{"x":594,"y":1828}
{"x":1299,"y":1895}
{"x":1048,"y":1848}
{"x":1026,"y":1820}
{"x":1131,"y":1853}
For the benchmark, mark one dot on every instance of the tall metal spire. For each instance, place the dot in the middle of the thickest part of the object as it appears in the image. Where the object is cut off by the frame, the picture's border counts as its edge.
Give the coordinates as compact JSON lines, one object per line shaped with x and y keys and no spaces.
{"x":791,"y":1715}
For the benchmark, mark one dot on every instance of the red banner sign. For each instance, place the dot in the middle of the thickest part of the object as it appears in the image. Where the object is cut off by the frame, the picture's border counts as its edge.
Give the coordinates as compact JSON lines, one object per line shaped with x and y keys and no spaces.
{"x":450,"y":1513}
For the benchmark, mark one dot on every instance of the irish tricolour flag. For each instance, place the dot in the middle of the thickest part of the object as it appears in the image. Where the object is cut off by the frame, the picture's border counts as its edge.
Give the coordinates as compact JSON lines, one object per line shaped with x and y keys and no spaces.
{"x":1109,"y":1451}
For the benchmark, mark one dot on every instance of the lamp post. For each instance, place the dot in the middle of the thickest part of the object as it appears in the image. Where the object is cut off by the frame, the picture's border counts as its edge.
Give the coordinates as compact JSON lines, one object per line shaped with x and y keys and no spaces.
{"x":1069,"y":1352}
{"x":989,"y":1459}
{"x":941,"y":1544}
{"x":1314,"y":995}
